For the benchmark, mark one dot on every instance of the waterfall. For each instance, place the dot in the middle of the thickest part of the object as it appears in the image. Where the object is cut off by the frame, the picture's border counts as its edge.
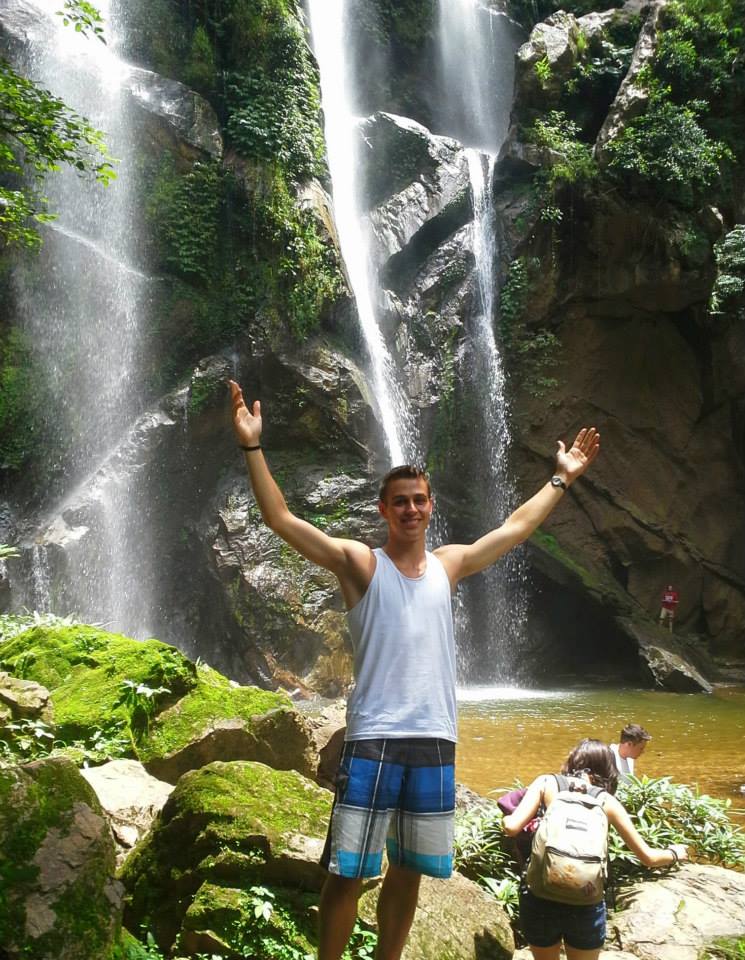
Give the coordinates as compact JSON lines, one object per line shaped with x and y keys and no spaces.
{"x":85,"y":322}
{"x":331,"y":44}
{"x":476,"y":47}
{"x":474,"y":80}
{"x":475,"y":73}
{"x":505,"y":603}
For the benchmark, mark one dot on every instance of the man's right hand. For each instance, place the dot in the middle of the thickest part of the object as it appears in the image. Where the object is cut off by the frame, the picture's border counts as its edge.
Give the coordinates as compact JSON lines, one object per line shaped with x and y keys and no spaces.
{"x":246,"y":423}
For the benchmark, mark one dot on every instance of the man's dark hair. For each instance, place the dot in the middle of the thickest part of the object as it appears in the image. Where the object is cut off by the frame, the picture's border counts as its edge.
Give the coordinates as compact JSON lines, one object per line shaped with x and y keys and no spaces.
{"x":406,"y":472}
{"x":596,"y":760}
{"x":633,"y":733}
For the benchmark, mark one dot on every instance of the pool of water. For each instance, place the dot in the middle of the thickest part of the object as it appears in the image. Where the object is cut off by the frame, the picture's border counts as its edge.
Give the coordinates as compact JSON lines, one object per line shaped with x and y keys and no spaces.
{"x":507,"y":733}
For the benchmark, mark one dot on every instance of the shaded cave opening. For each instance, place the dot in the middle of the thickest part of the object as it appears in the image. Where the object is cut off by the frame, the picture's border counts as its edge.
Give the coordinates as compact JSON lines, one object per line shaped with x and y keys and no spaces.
{"x":573,"y":640}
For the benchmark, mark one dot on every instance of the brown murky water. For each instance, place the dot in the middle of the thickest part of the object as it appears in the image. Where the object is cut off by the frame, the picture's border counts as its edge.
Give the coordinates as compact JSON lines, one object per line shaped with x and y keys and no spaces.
{"x":507,"y":734}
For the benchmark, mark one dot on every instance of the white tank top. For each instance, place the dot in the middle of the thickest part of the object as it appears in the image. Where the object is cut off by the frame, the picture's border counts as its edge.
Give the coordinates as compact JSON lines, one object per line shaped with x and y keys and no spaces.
{"x":404,"y":655}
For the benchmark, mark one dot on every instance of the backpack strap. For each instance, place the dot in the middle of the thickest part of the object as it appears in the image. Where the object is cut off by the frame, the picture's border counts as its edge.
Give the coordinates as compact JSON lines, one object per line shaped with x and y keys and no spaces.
{"x":562,"y":783}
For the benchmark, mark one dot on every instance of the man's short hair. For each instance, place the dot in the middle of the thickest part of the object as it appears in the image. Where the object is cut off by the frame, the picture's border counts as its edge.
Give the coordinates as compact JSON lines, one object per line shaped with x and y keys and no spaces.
{"x":633,"y":733}
{"x":405,"y":472}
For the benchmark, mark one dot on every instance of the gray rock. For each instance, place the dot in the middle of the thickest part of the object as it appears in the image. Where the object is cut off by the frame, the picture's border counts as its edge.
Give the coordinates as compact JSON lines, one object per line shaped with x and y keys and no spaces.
{"x":456,"y":919}
{"x":671,"y":671}
{"x":281,"y":739}
{"x":27,"y":700}
{"x":183,"y":117}
{"x":433,"y":178}
{"x":553,"y":42}
{"x":131,"y":799}
{"x":678,"y":915}
{"x":81,"y":514}
{"x":69,"y":861}
{"x":632,"y":97}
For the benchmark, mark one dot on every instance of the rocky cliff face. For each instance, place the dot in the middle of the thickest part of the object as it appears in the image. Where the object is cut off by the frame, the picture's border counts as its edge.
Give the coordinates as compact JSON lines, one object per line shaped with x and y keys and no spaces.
{"x":624,"y":284}
{"x":621,"y":285}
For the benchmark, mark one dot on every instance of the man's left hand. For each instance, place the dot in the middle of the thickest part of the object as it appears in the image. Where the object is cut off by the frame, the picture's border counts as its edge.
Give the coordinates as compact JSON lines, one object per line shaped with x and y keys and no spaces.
{"x":572,"y":463}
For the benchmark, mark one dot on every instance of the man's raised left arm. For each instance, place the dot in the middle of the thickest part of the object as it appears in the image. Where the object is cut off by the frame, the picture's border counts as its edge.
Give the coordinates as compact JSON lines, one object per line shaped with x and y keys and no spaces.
{"x":462,"y":560}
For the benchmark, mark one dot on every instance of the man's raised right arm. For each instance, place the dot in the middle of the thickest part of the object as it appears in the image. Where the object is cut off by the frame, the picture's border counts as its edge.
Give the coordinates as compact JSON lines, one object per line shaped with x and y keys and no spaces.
{"x":339,"y":556}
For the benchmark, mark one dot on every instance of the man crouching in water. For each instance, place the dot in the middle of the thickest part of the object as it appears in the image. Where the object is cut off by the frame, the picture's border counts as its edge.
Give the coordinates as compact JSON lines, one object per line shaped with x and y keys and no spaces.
{"x":396,"y":778}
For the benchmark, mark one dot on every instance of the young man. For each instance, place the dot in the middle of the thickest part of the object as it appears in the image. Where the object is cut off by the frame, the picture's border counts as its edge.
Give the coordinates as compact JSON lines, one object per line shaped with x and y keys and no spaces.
{"x":633,"y":740}
{"x":396,"y":785}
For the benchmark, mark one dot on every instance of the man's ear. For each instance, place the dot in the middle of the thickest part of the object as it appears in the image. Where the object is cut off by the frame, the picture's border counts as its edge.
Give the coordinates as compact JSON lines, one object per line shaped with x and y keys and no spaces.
{"x":381,"y":508}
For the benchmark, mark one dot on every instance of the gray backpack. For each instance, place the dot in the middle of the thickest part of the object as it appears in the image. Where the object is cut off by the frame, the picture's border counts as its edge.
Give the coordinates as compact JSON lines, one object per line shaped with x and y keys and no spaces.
{"x":568,"y":861}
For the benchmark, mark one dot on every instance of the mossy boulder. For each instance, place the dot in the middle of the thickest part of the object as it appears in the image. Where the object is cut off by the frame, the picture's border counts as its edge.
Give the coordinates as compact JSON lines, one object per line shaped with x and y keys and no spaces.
{"x":232,"y":824}
{"x":219,"y":720}
{"x":99,"y":680}
{"x":229,"y":921}
{"x":456,"y":920}
{"x":58,"y":896}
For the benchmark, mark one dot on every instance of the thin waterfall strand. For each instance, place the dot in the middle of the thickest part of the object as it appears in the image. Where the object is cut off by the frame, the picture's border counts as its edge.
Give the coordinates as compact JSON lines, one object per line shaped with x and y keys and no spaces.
{"x":330,"y":47}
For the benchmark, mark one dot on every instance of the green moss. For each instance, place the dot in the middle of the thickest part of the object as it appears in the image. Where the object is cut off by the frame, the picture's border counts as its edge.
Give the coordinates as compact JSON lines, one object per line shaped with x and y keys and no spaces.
{"x":213,"y":698}
{"x":85,"y":670}
{"x":265,"y":921}
{"x":183,"y":210}
{"x":223,"y":820}
{"x":36,"y":800}
{"x":128,"y":947}
{"x":245,"y":797}
{"x":550,"y":544}
{"x":534,"y":352}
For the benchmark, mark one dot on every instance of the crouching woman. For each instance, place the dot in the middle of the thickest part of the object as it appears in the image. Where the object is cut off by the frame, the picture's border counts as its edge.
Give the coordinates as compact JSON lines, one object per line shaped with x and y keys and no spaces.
{"x":562,"y":898}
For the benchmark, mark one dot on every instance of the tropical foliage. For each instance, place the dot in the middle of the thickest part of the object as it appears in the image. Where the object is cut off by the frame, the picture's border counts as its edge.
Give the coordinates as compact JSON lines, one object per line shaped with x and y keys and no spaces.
{"x":39,"y":134}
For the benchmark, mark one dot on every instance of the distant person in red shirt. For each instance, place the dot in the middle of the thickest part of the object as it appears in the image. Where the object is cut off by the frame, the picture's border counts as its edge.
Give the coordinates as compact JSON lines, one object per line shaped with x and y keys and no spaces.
{"x":669,"y":603}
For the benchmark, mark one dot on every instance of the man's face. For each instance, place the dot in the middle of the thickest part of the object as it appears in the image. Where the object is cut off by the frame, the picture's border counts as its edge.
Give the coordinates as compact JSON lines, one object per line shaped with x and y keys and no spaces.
{"x":407,"y":507}
{"x":635,"y":750}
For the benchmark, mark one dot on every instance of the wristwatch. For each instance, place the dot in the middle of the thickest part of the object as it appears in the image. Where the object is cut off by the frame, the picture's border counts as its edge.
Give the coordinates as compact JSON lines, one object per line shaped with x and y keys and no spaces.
{"x":558,"y":482}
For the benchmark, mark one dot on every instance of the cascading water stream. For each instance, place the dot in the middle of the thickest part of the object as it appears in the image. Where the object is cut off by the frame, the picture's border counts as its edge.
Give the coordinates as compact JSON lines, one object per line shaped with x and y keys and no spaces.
{"x":506,"y":606}
{"x":85,"y":324}
{"x":330,"y":44}
{"x":476,"y":48}
{"x":475,"y":73}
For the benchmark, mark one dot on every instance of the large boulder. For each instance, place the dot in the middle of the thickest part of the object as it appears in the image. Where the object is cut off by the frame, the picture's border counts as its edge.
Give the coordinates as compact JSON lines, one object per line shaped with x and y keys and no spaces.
{"x":99,"y":680}
{"x":219,"y":720}
{"x":546,"y":60}
{"x":675,"y":917}
{"x":456,"y":919}
{"x":230,"y":824}
{"x":59,"y":900}
{"x":427,"y":179}
{"x":226,"y":920}
{"x":671,"y":671}
{"x":130,"y":798}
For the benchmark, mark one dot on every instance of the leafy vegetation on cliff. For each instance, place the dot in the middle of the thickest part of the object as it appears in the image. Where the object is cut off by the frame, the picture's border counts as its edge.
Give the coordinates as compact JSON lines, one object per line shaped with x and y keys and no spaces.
{"x":728,"y":294}
{"x":39,"y":134}
{"x":239,"y":227}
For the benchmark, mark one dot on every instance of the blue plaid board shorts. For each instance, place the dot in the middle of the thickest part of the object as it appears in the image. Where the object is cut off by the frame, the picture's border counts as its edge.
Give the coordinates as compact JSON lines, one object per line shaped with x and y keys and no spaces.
{"x":398,"y":794}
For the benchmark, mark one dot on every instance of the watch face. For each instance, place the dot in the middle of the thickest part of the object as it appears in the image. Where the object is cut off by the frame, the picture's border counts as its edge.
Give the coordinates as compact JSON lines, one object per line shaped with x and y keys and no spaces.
{"x":557,"y":481}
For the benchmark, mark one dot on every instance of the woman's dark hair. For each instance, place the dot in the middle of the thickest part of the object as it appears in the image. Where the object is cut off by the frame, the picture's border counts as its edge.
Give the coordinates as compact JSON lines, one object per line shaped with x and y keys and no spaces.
{"x":596,"y":760}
